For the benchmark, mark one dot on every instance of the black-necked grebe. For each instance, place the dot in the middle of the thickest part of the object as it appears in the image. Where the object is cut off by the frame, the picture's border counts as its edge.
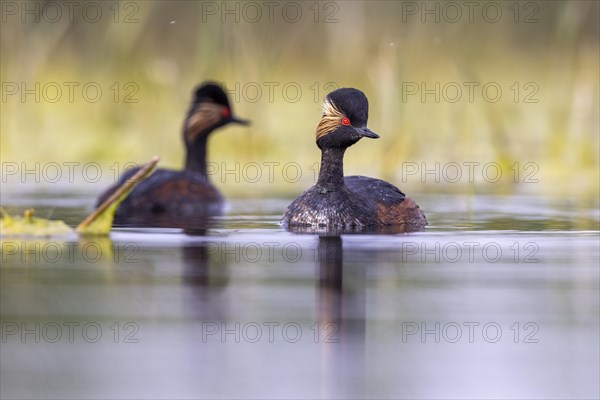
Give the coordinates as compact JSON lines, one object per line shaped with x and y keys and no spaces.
{"x":353,"y":203}
{"x":170,"y":197}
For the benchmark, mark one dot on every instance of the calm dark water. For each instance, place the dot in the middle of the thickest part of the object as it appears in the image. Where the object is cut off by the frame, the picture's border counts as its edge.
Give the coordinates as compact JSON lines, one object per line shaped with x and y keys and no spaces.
{"x":499,"y":297}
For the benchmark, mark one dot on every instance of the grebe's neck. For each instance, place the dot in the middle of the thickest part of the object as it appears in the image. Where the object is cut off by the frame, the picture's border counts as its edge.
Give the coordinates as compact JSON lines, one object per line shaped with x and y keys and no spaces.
{"x":195,"y":158}
{"x":331,"y":175}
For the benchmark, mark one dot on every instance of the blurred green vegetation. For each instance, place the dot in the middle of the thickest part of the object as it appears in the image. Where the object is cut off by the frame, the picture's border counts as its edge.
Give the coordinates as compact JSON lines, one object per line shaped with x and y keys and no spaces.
{"x":547,"y":52}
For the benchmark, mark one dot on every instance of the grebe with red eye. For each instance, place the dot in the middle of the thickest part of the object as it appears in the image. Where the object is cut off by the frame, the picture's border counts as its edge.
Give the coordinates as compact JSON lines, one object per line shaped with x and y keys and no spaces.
{"x":170,"y":197}
{"x":352,"y":203}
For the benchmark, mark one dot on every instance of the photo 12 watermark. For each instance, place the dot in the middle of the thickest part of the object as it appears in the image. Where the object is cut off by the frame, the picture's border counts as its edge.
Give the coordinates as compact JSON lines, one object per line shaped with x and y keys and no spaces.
{"x":68,"y":332}
{"x":470,"y":92}
{"x":469,"y":172}
{"x":69,"y":91}
{"x":53,"y":12}
{"x":63,"y":171}
{"x":469,"y":332}
{"x":252,"y":12}
{"x":489,"y":252}
{"x":269,"y":332}
{"x":61,"y":252}
{"x":452,"y":12}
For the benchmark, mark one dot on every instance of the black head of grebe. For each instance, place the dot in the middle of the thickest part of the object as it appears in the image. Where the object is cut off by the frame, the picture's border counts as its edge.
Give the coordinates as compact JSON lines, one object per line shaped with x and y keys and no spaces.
{"x":210,"y":110}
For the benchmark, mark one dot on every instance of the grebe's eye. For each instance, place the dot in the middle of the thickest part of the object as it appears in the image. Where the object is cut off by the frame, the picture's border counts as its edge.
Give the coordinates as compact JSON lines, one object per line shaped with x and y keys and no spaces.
{"x":226,"y":112}
{"x":345,"y":121}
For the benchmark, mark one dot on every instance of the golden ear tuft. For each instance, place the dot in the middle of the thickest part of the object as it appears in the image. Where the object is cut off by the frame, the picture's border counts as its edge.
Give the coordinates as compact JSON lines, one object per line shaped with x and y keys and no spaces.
{"x":332,"y":118}
{"x":206,"y":115}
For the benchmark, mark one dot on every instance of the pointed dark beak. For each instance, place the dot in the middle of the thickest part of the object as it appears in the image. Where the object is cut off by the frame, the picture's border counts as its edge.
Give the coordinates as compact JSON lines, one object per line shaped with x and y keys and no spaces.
{"x":236,"y":120}
{"x":366,"y":132}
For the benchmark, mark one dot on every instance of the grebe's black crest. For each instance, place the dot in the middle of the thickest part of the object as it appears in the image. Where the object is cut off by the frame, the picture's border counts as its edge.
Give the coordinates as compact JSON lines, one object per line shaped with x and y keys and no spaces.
{"x":347,"y":204}
{"x":182,"y":198}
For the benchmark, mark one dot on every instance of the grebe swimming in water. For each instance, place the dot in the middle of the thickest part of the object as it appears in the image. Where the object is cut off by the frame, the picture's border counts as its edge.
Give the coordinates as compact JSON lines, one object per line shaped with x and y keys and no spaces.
{"x":352,"y":203}
{"x":170,"y":197}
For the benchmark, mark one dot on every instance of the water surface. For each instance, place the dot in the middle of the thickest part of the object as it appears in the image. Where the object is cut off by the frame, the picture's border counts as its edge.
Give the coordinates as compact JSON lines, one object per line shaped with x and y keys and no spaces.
{"x":498,"y":297}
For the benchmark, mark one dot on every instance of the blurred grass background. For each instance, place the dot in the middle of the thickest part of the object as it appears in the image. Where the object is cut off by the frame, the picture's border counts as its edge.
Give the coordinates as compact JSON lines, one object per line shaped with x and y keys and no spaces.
{"x":374,"y":46}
